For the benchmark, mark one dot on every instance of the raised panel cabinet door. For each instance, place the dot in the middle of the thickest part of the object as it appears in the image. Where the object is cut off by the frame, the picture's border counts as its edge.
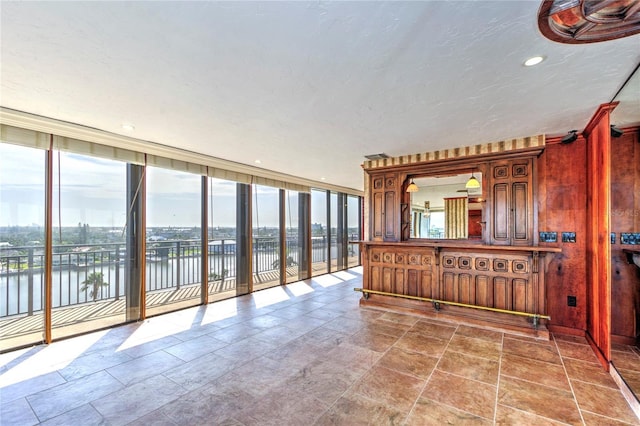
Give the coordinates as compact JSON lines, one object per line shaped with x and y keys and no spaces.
{"x":511,"y":210}
{"x":375,"y":278}
{"x":390,"y":216}
{"x":501,"y":213}
{"x":521,"y":223}
{"x":402,"y":281}
{"x":466,"y":292}
{"x":378,"y":216}
{"x":426,"y":285}
{"x":522,"y":295}
{"x":387,"y":279}
{"x":413,"y":283}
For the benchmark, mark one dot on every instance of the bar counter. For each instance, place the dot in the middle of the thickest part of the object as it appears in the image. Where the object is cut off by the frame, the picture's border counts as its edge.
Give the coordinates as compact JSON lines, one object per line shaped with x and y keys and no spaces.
{"x":500,"y":287}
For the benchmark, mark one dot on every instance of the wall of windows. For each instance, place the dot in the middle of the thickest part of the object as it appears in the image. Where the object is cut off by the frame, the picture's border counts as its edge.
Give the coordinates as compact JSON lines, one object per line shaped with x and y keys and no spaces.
{"x":92,"y":236}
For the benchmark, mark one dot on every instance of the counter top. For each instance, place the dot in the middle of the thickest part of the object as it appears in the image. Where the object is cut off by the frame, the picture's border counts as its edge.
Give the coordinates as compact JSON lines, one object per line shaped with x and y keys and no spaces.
{"x":459,"y":245}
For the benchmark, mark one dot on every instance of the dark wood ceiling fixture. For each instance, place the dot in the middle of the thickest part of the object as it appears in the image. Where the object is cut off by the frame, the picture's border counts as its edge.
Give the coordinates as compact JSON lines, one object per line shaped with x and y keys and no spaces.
{"x":588,"y":21}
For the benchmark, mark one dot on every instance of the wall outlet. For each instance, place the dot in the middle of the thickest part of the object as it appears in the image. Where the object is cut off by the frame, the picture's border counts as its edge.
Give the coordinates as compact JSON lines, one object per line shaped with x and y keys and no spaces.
{"x":548,"y":237}
{"x":572,"y":301}
{"x":630,"y":238}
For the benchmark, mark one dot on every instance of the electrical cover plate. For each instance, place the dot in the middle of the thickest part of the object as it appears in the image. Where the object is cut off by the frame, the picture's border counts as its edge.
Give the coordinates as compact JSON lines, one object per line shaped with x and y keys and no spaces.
{"x":548,"y":237}
{"x":630,"y":238}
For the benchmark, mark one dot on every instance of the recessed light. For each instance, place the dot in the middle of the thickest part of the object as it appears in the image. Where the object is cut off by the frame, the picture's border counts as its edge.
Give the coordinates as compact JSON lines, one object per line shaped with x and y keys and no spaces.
{"x":323,"y":178}
{"x":533,"y":61}
{"x":128,"y":127}
{"x":257,"y":161}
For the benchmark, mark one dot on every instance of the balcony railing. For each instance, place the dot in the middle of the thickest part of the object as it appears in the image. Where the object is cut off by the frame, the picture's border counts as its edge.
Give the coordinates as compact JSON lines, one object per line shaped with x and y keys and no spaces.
{"x":169,"y":266}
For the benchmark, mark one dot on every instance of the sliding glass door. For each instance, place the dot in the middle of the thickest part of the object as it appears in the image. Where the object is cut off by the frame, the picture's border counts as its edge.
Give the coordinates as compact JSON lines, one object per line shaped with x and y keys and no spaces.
{"x":22,"y":238}
{"x":173,"y":240}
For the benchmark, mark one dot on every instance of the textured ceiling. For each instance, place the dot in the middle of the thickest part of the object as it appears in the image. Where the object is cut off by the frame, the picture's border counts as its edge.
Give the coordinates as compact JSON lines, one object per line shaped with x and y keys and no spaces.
{"x":308,"y":88}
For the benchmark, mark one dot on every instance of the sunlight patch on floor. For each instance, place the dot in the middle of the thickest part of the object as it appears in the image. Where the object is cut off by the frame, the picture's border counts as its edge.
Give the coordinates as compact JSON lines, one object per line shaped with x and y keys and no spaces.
{"x":345,"y":276}
{"x":326,"y":280}
{"x":269,"y":296}
{"x":299,"y":288}
{"x":158,"y":327}
{"x":50,"y":358}
{"x":219,"y":311}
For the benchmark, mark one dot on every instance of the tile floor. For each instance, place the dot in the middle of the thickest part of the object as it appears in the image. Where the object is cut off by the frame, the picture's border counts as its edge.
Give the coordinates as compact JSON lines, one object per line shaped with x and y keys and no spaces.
{"x":627,"y":361}
{"x":306,"y":354}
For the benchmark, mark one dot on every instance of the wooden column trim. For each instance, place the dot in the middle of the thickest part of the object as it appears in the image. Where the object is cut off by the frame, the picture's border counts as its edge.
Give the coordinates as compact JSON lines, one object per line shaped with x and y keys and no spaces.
{"x":597,"y":116}
{"x":598,"y":136}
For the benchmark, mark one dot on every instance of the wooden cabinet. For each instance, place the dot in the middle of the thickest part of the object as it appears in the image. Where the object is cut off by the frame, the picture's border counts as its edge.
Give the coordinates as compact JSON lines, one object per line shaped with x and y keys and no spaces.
{"x":511,"y":202}
{"x":385,"y":206}
{"x":488,"y":285}
{"x":401,"y":271}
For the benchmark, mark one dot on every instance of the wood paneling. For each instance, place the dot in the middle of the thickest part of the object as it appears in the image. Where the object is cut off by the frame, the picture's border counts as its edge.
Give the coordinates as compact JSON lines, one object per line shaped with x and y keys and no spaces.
{"x":598,"y":247}
{"x":625,"y":217}
{"x":562,"y":204}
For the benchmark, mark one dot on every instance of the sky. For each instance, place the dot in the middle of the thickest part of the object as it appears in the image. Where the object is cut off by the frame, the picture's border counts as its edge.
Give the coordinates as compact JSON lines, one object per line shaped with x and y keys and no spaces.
{"x":92,"y":191}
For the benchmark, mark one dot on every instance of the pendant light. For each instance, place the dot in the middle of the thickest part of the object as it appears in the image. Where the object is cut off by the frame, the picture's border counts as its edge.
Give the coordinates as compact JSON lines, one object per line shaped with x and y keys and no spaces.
{"x":472,"y":183}
{"x":412,"y":187}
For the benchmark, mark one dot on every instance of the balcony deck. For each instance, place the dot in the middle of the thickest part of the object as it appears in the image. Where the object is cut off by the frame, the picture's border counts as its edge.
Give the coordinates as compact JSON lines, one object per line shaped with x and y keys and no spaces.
{"x":21,"y":330}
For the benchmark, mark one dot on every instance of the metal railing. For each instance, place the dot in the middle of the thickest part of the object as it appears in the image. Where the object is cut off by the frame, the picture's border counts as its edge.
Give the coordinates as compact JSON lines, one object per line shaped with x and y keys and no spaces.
{"x":92,"y":272}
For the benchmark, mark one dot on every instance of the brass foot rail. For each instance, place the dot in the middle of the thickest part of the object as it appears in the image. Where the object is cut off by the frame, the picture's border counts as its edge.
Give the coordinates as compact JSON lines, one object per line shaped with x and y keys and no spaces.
{"x":437,"y":303}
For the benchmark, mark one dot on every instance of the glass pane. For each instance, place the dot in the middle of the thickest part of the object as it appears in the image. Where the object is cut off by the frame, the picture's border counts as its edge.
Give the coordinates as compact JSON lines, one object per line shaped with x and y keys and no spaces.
{"x":222,"y":239}
{"x":266,"y":237}
{"x":353,"y":225}
{"x":173,"y":272}
{"x":293,"y":246}
{"x":333,"y":234}
{"x":22,"y":186}
{"x":89,"y":209}
{"x":319,"y":245}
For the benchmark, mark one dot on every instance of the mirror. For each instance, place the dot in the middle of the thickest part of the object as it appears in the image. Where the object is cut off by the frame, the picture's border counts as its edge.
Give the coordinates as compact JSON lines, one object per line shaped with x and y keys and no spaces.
{"x":443,"y":208}
{"x":625,"y":356}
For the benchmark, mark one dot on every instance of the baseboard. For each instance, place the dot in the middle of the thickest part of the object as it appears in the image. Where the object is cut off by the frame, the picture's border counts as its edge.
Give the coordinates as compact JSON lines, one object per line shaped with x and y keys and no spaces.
{"x":628,"y":394}
{"x":559,"y":329}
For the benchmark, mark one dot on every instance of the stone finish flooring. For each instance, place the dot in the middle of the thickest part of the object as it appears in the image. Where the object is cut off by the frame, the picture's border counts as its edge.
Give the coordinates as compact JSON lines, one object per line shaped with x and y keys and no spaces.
{"x":627,"y":361}
{"x":306,"y":354}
